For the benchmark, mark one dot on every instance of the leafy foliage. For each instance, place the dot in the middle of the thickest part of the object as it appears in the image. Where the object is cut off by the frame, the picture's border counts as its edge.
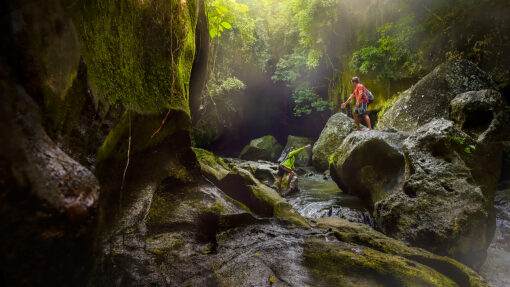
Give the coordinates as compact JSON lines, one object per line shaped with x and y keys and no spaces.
{"x":217,"y":13}
{"x":306,"y":100}
{"x":395,"y":56}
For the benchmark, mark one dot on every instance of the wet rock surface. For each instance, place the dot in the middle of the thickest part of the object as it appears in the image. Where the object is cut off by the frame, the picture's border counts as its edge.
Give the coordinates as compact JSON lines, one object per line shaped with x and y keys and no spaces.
{"x":481,"y":114}
{"x":264,"y":148}
{"x":47,"y":199}
{"x":370,"y":164}
{"x":332,"y":136}
{"x":430,"y":97}
{"x":445,"y":205}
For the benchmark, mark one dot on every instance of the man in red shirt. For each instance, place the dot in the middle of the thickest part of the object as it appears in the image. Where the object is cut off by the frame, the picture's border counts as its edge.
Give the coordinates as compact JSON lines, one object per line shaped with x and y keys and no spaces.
{"x":361,"y":103}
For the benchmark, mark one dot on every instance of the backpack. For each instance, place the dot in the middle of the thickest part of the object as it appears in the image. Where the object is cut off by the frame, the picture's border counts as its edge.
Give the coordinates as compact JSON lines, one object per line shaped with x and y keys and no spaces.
{"x":284,"y":155}
{"x":368,"y":95}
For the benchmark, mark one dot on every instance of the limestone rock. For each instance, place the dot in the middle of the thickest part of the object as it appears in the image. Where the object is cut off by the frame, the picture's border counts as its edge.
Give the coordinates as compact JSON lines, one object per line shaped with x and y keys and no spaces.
{"x":481,"y":114}
{"x":264,"y":148}
{"x":445,"y":204}
{"x":370,"y":164}
{"x":303,"y":158}
{"x":336,"y":129}
{"x":431,"y":96}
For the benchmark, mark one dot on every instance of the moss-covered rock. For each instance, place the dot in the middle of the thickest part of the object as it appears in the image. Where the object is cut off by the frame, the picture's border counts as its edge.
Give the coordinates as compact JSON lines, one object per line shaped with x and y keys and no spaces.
{"x":213,"y":167}
{"x":350,"y":265}
{"x":431,"y":96}
{"x":363,"y":235}
{"x":336,"y":129}
{"x":129,"y":60}
{"x":264,"y":148}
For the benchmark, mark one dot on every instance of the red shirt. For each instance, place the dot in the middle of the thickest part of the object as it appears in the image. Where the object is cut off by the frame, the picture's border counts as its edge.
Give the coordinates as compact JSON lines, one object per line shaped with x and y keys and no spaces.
{"x":358,"y":92}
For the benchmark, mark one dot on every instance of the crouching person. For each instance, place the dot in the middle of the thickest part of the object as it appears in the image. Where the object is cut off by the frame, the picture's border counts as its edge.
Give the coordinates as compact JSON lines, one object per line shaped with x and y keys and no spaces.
{"x":287,"y":166}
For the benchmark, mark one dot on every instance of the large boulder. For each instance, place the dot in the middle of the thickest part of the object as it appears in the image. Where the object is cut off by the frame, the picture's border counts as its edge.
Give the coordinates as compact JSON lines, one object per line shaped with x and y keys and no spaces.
{"x":370,"y":164}
{"x":433,"y":189}
{"x":481,"y":114}
{"x":337,"y":128}
{"x":303,"y":158}
{"x":237,"y":179}
{"x":445,"y":203}
{"x":264,"y":148}
{"x":430,"y":97}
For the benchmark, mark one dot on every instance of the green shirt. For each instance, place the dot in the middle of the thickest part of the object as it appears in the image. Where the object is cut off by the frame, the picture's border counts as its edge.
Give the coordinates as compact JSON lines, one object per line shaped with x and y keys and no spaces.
{"x":289,"y":162}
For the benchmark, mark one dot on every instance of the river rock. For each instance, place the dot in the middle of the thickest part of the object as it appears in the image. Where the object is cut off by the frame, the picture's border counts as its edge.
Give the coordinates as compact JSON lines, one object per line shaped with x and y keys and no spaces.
{"x":431,"y":96}
{"x":481,"y":114}
{"x":370,"y":164}
{"x":303,"y":158}
{"x":264,"y":148}
{"x":445,"y":203}
{"x":337,"y":128}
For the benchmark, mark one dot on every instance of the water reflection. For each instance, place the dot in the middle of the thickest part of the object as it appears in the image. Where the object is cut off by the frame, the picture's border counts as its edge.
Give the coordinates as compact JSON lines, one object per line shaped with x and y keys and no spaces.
{"x":319,"y":197}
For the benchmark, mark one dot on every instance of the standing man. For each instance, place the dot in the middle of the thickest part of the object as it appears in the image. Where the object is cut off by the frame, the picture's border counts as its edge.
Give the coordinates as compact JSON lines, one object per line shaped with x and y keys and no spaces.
{"x":287,"y":166}
{"x":361,"y":103}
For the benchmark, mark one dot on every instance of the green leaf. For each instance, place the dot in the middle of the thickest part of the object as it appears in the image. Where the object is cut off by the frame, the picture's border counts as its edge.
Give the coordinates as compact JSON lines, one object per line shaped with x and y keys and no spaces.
{"x":213,"y":33}
{"x":221,"y":9}
{"x":226,"y":25}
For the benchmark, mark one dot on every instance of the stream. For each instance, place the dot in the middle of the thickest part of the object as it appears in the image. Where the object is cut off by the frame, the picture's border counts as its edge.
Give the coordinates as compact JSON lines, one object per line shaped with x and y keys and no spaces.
{"x":320,"y":197}
{"x":496,"y":269}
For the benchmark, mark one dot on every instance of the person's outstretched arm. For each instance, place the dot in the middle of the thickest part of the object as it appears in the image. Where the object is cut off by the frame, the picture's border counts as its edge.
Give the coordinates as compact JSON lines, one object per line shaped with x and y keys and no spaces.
{"x":298,"y":150}
{"x":348,"y":100}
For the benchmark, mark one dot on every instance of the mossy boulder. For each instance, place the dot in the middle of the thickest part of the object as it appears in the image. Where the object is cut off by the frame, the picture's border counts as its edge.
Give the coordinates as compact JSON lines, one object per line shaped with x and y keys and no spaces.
{"x":263,"y":171}
{"x":337,"y":128}
{"x":365,"y":236}
{"x":213,"y":167}
{"x":236,"y":178}
{"x":430,"y":97}
{"x":264,"y":148}
{"x":332,"y":263}
{"x":334,"y":252}
{"x":264,"y":201}
{"x":304,"y":158}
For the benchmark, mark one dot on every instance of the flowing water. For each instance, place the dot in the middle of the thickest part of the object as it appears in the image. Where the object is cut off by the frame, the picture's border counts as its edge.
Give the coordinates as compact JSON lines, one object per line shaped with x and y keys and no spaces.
{"x":496,"y":268}
{"x":320,"y":197}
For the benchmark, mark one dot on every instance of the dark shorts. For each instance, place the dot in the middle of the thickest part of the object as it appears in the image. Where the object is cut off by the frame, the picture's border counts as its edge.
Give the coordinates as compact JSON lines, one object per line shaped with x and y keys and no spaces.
{"x":362,"y":109}
{"x":282,"y":170}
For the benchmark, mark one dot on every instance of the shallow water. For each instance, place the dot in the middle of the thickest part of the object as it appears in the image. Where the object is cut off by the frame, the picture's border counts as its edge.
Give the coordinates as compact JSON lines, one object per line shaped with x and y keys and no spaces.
{"x":496,"y":269}
{"x":319,"y":197}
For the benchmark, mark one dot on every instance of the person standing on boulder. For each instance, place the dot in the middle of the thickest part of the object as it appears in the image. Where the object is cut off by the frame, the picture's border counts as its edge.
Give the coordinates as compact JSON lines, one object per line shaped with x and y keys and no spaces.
{"x":361,"y":103}
{"x":287,"y":166}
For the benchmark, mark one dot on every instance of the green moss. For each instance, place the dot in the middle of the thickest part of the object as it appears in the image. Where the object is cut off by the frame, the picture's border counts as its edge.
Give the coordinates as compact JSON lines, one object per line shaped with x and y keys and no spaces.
{"x":139,"y":54}
{"x":340,"y":264}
